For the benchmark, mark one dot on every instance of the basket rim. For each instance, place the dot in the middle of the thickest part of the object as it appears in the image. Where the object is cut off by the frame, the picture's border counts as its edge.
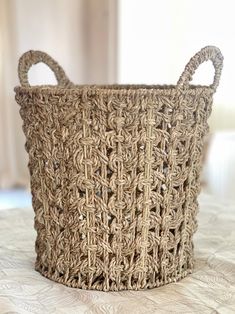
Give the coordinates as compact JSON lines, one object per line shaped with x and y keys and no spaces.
{"x":120,"y":89}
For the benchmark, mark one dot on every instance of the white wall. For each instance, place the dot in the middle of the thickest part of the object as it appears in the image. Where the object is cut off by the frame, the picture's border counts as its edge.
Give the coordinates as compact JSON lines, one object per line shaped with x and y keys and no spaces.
{"x":157,"y":38}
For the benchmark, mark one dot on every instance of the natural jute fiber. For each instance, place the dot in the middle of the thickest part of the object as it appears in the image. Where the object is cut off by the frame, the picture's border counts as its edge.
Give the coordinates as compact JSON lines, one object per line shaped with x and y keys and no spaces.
{"x":115,"y":175}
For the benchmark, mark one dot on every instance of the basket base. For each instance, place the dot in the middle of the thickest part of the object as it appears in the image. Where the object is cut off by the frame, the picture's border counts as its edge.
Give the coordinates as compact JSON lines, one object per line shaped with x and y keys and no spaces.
{"x":149,"y":285}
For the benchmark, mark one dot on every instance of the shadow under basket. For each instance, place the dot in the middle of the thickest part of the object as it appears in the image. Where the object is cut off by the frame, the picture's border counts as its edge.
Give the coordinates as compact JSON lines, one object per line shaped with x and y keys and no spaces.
{"x":115,"y":175}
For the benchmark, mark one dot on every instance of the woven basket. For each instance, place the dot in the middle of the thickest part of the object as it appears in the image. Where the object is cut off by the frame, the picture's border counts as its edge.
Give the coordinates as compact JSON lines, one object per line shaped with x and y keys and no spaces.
{"x":115,"y":175}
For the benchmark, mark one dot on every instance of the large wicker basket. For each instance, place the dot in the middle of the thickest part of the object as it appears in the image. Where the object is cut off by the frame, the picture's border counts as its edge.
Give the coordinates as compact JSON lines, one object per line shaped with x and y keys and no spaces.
{"x":115,"y":175}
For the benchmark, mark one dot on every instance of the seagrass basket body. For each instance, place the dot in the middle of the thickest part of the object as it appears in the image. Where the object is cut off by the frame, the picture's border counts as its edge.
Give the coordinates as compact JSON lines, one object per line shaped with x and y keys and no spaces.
{"x":115,"y":176}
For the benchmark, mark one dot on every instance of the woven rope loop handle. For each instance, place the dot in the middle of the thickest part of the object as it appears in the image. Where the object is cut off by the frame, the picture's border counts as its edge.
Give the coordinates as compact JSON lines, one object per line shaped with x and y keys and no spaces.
{"x":30,"y":58}
{"x":207,"y":53}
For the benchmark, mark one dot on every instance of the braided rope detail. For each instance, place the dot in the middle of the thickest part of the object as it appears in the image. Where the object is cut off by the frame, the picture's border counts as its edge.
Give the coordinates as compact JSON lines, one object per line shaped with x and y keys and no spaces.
{"x":207,"y":53}
{"x":33,"y":57}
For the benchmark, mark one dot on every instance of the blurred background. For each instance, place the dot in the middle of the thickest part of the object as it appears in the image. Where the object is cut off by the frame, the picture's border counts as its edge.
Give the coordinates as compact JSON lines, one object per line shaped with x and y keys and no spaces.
{"x":117,"y":41}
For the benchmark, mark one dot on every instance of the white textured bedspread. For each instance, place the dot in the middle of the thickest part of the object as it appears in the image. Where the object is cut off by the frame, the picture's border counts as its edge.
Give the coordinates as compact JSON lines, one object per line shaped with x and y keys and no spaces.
{"x":210,"y":289}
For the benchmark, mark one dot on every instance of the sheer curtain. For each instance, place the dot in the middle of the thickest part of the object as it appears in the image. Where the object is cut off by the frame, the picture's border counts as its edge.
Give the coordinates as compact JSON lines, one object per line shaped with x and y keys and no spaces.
{"x":12,"y":161}
{"x":79,"y":34}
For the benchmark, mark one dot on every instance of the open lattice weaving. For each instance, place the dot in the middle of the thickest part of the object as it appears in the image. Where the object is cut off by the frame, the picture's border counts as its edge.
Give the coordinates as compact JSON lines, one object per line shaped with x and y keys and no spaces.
{"x":115,"y":175}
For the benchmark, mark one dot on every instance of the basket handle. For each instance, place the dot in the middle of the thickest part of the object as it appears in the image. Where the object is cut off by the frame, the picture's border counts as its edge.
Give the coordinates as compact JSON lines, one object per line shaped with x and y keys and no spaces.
{"x":211,"y":53}
{"x":32,"y":57}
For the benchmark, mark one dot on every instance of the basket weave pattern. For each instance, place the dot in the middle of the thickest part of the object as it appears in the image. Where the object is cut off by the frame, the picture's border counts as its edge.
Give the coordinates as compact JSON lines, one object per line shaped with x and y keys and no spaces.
{"x":115,"y":176}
